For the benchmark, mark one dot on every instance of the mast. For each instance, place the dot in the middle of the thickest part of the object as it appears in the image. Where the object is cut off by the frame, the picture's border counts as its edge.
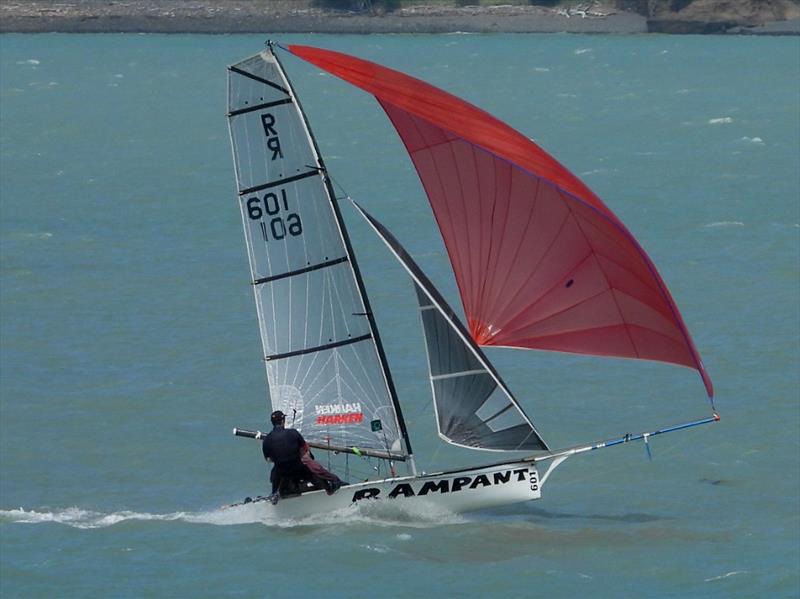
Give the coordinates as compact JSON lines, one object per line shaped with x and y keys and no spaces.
{"x":354,"y":263}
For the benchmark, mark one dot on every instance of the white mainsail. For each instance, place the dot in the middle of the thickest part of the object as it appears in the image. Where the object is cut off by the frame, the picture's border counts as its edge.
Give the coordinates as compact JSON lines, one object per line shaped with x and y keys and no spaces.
{"x":325,"y":365}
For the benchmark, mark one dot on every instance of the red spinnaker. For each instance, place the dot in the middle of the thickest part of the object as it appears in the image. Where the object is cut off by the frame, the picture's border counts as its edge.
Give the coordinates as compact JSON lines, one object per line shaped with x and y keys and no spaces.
{"x":540,"y":260}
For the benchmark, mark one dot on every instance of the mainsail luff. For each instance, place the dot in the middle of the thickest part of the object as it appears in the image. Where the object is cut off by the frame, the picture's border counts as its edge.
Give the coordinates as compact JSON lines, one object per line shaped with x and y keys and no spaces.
{"x":321,"y":347}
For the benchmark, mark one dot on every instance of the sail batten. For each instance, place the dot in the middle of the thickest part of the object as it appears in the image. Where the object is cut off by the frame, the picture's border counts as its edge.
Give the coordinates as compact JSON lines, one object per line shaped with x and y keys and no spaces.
{"x":279,"y":182}
{"x":318,"y":348}
{"x":259,"y":107}
{"x":254,"y":77}
{"x":450,"y":375}
{"x":300,"y":271}
{"x":486,"y":181}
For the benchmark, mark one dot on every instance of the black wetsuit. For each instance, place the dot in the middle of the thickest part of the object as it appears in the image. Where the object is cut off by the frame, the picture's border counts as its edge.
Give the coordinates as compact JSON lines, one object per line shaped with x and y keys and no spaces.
{"x":283,"y":446}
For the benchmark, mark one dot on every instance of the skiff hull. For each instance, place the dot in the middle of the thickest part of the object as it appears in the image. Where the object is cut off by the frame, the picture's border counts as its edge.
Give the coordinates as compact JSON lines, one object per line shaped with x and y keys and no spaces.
{"x":456,"y":491}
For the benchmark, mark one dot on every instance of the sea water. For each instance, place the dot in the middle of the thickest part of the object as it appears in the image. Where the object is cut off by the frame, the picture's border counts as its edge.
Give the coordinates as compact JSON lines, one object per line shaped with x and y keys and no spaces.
{"x":129,"y":345}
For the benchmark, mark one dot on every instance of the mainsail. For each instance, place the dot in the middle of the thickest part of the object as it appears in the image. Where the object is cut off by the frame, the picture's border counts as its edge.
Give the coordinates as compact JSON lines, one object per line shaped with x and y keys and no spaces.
{"x":325,"y":365}
{"x":474,"y":407}
{"x":540,"y":261}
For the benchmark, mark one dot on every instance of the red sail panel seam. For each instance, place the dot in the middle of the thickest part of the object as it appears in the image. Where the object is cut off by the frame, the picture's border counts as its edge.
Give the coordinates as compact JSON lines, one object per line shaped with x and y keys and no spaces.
{"x":504,"y":228}
{"x":426,"y":146}
{"x":485,"y":286}
{"x":538,"y":264}
{"x":484,"y":264}
{"x":516,"y":253}
{"x":510,"y":321}
{"x":519,"y":247}
{"x":605,"y":276}
{"x":654,"y":285}
{"x":468,"y":270}
{"x":476,"y":289}
{"x":667,"y":337}
{"x":567,"y":309}
{"x":621,"y":267}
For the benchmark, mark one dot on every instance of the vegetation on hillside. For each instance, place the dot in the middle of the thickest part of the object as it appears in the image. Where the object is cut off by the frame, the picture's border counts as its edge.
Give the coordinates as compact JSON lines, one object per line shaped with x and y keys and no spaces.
{"x":391,"y":5}
{"x":743,"y":11}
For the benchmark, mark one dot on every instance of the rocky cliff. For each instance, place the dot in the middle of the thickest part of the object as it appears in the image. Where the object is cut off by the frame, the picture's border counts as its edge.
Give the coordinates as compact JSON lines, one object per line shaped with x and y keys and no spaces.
{"x":711,"y":16}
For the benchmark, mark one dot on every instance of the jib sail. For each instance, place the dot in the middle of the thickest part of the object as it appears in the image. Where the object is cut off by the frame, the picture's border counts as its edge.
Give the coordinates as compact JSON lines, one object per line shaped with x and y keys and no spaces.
{"x":325,"y":365}
{"x":474,"y":408}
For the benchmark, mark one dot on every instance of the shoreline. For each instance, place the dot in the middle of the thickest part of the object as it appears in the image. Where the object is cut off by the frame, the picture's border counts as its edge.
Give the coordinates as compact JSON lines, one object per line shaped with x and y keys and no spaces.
{"x":241,"y":16}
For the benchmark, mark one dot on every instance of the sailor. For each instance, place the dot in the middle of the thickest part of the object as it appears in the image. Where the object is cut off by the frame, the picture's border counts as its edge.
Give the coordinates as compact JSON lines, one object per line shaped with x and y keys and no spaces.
{"x":293,"y":461}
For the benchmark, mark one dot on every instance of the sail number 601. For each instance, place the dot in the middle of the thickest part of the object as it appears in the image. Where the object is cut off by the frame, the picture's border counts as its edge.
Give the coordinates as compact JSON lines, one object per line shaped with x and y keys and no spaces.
{"x":281,"y":224}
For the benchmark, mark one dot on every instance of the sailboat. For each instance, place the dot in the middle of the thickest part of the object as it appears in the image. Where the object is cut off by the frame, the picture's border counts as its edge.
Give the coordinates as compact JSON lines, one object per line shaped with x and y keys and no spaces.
{"x":539,"y":260}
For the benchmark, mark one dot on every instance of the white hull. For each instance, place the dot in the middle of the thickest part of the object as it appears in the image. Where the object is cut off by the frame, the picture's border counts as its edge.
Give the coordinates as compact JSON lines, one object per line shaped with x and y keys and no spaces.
{"x":456,"y":491}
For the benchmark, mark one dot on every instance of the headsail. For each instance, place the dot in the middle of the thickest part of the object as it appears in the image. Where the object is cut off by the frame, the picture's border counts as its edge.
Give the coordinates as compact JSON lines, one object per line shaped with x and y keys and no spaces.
{"x":540,"y":261}
{"x":325,"y":365}
{"x":474,"y":408}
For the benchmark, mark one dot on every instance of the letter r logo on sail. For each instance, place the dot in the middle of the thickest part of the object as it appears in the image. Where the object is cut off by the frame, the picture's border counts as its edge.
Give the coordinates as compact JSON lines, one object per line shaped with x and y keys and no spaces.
{"x":273,"y":141}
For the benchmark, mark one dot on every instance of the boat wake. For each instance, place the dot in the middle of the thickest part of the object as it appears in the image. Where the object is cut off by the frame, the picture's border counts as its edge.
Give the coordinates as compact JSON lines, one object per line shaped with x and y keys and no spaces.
{"x":369,"y":513}
{"x":373,"y":513}
{"x":80,"y":518}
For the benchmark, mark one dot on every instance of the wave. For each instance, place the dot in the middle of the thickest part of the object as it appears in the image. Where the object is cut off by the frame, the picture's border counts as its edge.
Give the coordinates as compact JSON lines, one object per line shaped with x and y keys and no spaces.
{"x":726,"y":223}
{"x":722,"y":576}
{"x":370,"y":513}
{"x":596,"y":171}
{"x":31,"y":235}
{"x":724,"y":120}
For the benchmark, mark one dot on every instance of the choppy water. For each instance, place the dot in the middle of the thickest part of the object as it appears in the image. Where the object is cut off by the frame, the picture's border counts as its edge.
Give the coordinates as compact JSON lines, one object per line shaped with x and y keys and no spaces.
{"x":129,"y":346}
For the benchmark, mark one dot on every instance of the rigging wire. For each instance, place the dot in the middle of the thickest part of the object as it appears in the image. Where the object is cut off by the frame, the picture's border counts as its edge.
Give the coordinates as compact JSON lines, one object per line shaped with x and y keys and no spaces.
{"x":339,"y":185}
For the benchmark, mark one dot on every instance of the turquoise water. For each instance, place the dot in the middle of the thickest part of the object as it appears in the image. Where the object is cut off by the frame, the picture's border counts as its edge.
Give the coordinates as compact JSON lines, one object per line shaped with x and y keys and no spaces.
{"x":129,"y":347}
